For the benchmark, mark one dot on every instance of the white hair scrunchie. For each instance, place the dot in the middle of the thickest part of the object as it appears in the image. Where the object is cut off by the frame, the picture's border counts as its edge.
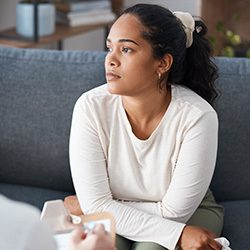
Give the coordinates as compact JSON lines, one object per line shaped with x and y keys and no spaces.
{"x":188,"y":24}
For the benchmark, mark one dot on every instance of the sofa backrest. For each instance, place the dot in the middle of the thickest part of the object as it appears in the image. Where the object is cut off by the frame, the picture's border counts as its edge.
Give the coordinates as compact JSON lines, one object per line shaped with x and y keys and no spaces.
{"x":38,"y":89}
{"x":231,"y":180}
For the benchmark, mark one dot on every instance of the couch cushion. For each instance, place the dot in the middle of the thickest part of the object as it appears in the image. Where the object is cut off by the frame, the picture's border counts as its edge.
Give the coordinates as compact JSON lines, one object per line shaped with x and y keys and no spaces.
{"x":32,"y":195}
{"x":236,"y":223}
{"x":38,"y":89}
{"x":232,"y":174}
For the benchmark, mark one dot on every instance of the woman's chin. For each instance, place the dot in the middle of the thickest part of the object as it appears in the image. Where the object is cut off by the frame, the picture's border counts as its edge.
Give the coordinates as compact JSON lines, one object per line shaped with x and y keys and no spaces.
{"x":113,"y":88}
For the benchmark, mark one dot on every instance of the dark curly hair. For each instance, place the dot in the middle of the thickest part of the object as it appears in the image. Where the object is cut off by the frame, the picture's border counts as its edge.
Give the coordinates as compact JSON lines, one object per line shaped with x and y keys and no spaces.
{"x":191,"y":66}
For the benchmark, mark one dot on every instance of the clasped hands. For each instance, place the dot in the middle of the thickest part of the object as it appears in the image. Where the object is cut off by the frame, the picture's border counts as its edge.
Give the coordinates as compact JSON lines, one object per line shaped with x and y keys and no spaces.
{"x":192,"y":237}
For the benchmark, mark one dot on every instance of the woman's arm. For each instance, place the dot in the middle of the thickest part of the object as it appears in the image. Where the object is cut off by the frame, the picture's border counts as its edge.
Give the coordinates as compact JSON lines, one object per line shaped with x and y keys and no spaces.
{"x":194,"y":169}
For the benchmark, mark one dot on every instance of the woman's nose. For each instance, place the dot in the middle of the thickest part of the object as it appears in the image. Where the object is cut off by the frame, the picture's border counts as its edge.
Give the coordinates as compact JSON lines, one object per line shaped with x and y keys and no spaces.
{"x":112,"y":61}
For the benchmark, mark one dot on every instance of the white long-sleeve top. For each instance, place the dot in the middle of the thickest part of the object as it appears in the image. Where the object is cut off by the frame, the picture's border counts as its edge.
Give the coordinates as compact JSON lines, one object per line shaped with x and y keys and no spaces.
{"x":153,"y":186}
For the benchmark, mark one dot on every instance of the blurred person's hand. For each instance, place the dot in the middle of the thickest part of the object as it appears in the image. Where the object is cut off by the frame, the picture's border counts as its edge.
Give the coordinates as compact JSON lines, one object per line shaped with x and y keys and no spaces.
{"x":98,"y":239}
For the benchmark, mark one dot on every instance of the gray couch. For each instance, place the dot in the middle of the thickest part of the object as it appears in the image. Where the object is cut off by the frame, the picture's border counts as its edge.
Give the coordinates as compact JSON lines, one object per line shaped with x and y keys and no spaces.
{"x":38,"y":89}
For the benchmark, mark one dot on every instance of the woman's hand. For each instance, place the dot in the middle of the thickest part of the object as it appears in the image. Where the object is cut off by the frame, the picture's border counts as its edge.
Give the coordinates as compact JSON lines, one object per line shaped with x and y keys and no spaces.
{"x":197,"y":238}
{"x":98,"y":239}
{"x":72,"y":205}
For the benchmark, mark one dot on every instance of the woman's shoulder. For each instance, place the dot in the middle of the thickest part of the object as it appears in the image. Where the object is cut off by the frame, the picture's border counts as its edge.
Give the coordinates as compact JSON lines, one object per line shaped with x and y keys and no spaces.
{"x":96,"y":95}
{"x":184,"y":96}
{"x":96,"y":92}
{"x":97,"y":101}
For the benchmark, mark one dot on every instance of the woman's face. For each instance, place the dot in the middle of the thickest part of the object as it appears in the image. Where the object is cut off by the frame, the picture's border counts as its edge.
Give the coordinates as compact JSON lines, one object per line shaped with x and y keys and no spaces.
{"x":131,"y":69}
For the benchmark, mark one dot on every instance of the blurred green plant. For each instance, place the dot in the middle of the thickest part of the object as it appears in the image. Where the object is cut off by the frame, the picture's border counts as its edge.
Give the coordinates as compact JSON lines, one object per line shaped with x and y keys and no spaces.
{"x":232,"y":42}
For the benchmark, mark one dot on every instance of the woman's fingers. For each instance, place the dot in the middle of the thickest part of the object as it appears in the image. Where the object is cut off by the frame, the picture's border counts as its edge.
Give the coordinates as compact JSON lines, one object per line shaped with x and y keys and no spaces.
{"x":215,"y":245}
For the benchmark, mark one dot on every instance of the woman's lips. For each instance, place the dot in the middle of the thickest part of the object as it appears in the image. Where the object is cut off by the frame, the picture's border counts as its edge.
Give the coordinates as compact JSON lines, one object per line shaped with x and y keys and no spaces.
{"x":111,"y":76}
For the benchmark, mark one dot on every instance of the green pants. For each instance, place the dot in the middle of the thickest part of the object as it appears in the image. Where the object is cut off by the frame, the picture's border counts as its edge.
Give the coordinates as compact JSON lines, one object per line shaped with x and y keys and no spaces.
{"x":208,"y":215}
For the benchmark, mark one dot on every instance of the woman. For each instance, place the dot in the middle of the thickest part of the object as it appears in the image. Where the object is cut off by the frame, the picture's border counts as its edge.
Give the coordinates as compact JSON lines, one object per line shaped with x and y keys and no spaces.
{"x":143,"y":147}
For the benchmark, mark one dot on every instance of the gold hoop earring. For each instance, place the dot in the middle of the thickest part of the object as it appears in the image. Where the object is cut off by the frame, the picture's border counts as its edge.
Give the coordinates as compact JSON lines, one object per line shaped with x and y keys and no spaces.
{"x":159,"y":76}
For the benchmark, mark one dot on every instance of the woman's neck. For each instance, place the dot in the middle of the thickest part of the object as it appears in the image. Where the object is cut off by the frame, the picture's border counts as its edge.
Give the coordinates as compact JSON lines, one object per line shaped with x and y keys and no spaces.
{"x":145,"y":113}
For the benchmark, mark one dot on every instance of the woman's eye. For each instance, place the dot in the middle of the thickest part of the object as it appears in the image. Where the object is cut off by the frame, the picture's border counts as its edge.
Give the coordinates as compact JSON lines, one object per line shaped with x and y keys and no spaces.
{"x":127,"y":50}
{"x":109,"y":49}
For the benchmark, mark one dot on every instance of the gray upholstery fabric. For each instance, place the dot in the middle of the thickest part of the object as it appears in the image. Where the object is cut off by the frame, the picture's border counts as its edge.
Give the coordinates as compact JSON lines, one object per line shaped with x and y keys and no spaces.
{"x":232,"y":175}
{"x":38,"y":90}
{"x":236,"y":224}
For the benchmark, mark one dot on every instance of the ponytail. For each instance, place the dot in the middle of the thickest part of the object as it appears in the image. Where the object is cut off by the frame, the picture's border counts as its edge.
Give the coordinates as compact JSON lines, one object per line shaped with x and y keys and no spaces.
{"x":200,"y":73}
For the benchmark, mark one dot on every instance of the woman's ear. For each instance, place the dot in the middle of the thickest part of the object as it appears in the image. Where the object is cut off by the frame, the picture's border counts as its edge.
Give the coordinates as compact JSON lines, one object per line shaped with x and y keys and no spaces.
{"x":165,"y":64}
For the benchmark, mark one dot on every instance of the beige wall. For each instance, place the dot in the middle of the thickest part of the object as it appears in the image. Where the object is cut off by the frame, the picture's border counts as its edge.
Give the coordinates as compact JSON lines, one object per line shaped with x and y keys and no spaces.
{"x":7,"y":13}
{"x":192,"y":6}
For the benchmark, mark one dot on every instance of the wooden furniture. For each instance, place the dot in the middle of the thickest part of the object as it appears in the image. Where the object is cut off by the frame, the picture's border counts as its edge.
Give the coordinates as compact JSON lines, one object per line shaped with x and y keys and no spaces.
{"x":61,"y":32}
